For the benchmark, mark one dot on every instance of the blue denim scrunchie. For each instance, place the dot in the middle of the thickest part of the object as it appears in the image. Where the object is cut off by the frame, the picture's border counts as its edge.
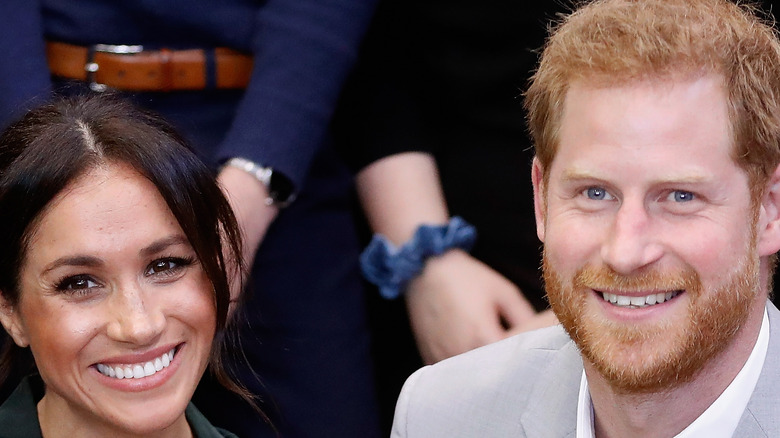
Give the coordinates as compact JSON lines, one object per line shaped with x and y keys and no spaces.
{"x":391,"y":267}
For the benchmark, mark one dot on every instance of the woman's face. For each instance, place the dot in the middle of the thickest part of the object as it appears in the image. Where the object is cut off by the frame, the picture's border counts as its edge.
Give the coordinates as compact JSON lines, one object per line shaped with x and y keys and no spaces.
{"x":115,"y":307}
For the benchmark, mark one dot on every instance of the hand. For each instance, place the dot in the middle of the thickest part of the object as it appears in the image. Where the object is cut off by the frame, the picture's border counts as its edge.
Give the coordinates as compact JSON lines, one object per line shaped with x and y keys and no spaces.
{"x":458,"y":303}
{"x":247,"y":197}
{"x":540,"y":320}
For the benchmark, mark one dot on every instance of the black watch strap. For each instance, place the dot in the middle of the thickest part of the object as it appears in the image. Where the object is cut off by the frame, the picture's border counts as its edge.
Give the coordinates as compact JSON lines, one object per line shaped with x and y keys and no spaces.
{"x":281,"y":190}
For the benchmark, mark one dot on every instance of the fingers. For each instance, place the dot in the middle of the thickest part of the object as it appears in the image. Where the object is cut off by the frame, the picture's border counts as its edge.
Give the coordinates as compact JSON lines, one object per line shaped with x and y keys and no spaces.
{"x":542,"y":319}
{"x":458,"y":304}
{"x":514,"y":309}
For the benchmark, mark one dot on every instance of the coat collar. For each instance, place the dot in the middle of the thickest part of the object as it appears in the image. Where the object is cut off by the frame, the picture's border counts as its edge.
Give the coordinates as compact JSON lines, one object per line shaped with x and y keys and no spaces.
{"x":554,"y":412}
{"x":760,"y":418}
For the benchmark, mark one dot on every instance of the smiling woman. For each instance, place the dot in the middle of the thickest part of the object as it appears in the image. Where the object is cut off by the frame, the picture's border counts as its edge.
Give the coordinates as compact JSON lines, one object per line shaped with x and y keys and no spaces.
{"x":114,"y":274}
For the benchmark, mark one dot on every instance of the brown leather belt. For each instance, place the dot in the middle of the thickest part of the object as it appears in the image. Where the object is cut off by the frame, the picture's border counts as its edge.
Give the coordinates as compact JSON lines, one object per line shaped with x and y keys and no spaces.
{"x":133,"y":69}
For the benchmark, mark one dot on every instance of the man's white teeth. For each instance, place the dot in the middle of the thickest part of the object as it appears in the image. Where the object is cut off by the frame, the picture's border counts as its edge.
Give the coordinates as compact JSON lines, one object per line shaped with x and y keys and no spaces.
{"x":139,"y":370}
{"x":633,"y":302}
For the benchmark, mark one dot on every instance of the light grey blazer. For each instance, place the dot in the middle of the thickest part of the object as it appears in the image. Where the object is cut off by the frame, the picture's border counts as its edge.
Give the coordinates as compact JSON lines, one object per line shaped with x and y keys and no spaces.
{"x":528,"y":386}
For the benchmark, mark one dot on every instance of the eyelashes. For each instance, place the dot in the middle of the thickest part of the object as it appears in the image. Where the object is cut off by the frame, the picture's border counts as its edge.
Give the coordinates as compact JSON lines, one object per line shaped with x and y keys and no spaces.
{"x":162,"y":270}
{"x":168,"y":266}
{"x":76,"y":282}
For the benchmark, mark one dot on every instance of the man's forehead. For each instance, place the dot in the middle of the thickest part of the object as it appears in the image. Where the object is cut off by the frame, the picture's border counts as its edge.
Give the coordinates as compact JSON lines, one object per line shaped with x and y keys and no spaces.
{"x":662,"y":82}
{"x":680,"y":129}
{"x":648,"y":111}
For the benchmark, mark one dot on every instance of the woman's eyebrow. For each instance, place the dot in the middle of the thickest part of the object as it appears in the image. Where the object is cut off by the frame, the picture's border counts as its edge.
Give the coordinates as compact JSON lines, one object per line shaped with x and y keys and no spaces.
{"x":164,"y":243}
{"x":74,"y":260}
{"x":92,"y":261}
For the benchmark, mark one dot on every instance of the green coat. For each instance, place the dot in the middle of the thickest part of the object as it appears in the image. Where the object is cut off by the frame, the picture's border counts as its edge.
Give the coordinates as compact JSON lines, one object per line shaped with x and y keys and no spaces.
{"x":19,"y":414}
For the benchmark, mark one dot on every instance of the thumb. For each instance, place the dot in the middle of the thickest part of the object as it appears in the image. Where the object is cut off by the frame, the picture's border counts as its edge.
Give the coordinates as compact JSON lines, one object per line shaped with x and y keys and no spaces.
{"x":515,"y":310}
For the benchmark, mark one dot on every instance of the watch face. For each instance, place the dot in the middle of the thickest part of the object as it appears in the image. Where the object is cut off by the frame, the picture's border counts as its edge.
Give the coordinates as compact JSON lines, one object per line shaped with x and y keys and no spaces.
{"x":281,"y":189}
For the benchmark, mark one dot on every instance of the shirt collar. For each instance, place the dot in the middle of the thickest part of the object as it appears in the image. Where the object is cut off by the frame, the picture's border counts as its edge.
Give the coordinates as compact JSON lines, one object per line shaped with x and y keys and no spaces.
{"x":720,"y":420}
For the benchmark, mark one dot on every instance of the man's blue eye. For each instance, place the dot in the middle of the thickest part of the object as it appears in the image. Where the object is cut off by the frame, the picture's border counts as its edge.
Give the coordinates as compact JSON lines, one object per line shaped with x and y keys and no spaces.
{"x":596,"y":193}
{"x":682,"y":196}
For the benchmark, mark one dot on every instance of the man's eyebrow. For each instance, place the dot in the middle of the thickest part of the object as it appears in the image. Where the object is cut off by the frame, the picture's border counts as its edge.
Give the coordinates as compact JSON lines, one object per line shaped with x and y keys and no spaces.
{"x":575,"y":174}
{"x":164,"y":243}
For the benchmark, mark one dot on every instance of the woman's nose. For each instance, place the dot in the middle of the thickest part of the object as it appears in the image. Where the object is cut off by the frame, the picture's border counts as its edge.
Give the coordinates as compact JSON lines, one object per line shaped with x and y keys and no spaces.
{"x":134,"y":318}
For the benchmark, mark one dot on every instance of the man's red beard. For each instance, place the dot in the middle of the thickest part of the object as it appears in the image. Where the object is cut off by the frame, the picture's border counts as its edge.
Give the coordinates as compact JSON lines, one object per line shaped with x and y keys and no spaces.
{"x":652,"y":358}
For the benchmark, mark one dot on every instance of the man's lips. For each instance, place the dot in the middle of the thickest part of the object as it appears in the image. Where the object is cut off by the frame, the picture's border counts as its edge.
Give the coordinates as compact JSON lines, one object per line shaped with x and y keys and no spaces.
{"x":639,"y":301}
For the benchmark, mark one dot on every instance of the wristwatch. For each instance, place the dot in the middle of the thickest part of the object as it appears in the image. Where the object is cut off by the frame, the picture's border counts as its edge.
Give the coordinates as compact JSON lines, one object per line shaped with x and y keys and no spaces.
{"x":281,"y":190}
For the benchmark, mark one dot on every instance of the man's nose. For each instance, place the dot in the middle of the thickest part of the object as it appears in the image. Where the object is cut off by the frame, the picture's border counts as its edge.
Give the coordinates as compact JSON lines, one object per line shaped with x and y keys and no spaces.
{"x":631,"y":242}
{"x":133,"y":318}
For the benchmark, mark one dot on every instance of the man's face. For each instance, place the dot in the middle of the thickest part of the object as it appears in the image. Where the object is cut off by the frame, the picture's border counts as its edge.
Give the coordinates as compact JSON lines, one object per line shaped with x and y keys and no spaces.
{"x":650,"y":256}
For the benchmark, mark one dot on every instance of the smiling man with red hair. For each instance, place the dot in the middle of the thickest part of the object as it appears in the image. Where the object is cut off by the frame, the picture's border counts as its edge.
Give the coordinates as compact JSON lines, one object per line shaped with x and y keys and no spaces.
{"x":657,"y":196}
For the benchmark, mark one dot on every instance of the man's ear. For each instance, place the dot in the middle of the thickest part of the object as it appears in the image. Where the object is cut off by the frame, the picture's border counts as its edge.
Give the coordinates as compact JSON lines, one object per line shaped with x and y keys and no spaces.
{"x":540,"y":208}
{"x":12,"y":322}
{"x":769,"y":217}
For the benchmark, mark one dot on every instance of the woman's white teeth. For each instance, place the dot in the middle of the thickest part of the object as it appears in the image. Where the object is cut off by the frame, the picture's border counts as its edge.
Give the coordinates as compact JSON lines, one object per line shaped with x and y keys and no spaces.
{"x":139,"y":370}
{"x":633,"y":302}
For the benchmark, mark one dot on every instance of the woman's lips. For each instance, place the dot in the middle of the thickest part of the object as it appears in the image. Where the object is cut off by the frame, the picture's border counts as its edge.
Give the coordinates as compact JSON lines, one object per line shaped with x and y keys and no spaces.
{"x":137,"y":370}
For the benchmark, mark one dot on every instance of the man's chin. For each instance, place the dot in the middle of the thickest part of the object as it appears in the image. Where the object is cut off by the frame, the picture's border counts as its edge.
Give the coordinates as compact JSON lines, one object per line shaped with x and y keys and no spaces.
{"x":646,"y":354}
{"x":640,"y":361}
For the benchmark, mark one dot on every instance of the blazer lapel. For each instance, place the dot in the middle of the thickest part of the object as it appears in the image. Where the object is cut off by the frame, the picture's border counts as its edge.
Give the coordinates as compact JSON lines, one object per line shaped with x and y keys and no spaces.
{"x":552,"y":411}
{"x":762,"y":415}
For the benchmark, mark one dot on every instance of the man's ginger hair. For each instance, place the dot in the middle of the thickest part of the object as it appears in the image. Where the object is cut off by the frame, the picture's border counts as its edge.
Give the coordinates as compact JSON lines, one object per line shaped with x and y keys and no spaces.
{"x":615,"y":42}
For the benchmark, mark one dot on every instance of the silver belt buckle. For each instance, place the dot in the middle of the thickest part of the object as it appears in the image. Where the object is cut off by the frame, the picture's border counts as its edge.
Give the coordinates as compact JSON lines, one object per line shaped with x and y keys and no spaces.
{"x":92,"y":67}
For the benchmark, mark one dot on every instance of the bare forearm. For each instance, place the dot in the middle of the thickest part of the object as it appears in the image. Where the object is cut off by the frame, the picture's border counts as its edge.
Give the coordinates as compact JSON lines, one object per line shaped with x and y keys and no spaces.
{"x":401,"y":192}
{"x":456,"y":303}
{"x":247,"y":198}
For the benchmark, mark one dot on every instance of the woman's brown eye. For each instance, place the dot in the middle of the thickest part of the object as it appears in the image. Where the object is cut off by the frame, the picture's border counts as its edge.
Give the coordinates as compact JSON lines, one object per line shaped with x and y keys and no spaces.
{"x":169,"y":265}
{"x":161,"y":266}
{"x":80,"y":284}
{"x":76,"y":282}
